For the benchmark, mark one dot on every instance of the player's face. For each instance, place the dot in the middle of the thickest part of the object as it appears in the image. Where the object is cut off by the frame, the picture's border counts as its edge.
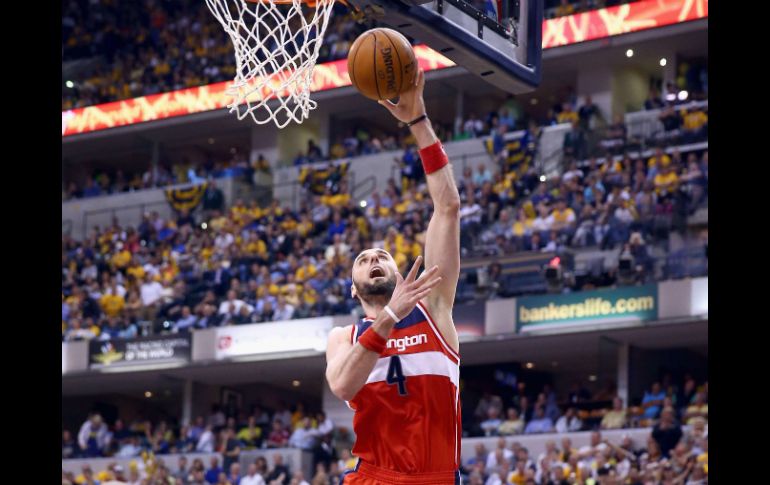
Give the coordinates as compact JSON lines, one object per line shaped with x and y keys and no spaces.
{"x":374,"y":274}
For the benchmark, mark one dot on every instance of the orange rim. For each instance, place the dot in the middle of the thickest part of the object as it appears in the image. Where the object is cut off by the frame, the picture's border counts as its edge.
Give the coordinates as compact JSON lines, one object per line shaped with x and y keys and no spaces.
{"x":309,"y":3}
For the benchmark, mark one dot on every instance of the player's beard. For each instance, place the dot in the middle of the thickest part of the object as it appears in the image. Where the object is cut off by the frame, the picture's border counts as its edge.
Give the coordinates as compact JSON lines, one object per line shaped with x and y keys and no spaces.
{"x":376,"y":292}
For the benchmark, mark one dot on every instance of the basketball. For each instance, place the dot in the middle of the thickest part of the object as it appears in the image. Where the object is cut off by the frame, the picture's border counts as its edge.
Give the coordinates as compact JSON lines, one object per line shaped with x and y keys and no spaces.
{"x":381,"y":64}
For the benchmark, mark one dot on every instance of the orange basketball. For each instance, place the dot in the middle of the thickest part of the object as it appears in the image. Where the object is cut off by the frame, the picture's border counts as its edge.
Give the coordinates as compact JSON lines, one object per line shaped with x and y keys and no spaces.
{"x":381,"y":64}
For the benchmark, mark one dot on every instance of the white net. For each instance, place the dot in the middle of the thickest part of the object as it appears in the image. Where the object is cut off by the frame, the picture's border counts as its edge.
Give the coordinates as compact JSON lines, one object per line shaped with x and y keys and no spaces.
{"x":276,"y":48}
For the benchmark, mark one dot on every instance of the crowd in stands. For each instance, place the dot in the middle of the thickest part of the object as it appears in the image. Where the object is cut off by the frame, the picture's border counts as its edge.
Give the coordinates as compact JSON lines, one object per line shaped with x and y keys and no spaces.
{"x":146,"y":442}
{"x":519,"y":411}
{"x":250,"y":263}
{"x":164,"y":46}
{"x":561,"y":8}
{"x":676,"y":448}
{"x":671,"y":454}
{"x":158,"y":47}
{"x":684,"y":461}
{"x":117,"y":181}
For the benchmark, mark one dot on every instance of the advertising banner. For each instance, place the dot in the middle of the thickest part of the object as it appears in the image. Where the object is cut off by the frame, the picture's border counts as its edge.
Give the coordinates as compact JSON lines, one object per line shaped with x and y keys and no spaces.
{"x":158,"y":349}
{"x":587,"y":307}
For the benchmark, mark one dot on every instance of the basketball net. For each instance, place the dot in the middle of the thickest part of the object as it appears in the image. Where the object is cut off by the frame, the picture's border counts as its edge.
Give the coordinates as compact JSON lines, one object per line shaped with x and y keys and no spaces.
{"x":276,"y":48}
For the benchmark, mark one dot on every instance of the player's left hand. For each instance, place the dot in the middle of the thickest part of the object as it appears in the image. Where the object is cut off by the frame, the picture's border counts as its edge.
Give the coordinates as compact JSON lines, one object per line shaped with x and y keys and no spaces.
{"x":410,"y":104}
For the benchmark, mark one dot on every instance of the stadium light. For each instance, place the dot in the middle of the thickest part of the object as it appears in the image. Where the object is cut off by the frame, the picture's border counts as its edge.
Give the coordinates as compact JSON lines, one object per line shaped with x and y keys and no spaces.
{"x":630,"y":53}
{"x":70,"y":84}
{"x":662,"y":62}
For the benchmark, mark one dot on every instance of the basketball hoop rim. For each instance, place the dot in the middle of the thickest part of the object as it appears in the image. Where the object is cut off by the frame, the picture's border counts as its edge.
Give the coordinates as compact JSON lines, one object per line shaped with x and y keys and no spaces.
{"x":309,"y":3}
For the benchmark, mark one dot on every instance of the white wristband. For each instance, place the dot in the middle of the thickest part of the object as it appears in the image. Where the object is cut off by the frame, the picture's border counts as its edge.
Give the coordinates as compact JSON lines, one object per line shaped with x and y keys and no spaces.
{"x":391,"y":314}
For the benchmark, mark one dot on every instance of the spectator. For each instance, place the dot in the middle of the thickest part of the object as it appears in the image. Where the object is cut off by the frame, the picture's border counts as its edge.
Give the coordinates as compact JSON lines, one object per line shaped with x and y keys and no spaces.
{"x":283,"y":311}
{"x":252,"y":477}
{"x":652,"y":401}
{"x":653,"y":100}
{"x":68,"y":446}
{"x":565,"y":8}
{"x":232,"y":305}
{"x":206,"y":441}
{"x":498,"y":455}
{"x":280,"y":472}
{"x":346,"y":461}
{"x":473,"y":127}
{"x":686,"y":394}
{"x":482,"y":176}
{"x":298,"y":479}
{"x":588,"y":113}
{"x":486,"y":402}
{"x":93,"y":437}
{"x":151,"y":292}
{"x":666,"y":182}
{"x":250,"y":436}
{"x":279,"y":437}
{"x":694,"y":180}
{"x":181,"y":474}
{"x":512,"y":425}
{"x":214,"y":471}
{"x":235,"y":474}
{"x":540,"y":423}
{"x":567,"y":114}
{"x":230,"y":449}
{"x":197,"y":478}
{"x":186,"y":321}
{"x":76,"y":332}
{"x":698,"y":409}
{"x":695,"y":124}
{"x":667,"y":432}
{"x":615,"y":418}
{"x":129,"y":448}
{"x":304,"y":437}
{"x":325,"y":424}
{"x":492,"y":423}
{"x":671,"y":119}
{"x":570,"y":422}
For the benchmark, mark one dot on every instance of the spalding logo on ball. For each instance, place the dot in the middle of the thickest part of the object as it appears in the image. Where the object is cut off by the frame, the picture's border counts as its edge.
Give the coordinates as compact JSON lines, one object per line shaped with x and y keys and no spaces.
{"x":382,"y":64}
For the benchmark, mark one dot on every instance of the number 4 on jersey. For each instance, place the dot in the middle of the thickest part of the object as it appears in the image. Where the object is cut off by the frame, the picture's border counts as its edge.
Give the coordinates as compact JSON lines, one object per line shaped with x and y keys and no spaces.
{"x":395,"y":375}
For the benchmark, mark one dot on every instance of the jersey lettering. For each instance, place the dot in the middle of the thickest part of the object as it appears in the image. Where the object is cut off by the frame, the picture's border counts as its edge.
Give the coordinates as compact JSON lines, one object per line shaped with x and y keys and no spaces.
{"x":410,"y":341}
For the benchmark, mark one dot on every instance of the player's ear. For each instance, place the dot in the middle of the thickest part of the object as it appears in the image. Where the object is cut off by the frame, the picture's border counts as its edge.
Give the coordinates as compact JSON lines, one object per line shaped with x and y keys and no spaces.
{"x":353,"y":291}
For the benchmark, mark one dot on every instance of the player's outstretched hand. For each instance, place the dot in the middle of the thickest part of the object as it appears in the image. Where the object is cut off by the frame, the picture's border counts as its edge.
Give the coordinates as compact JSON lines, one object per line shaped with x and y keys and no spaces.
{"x":410,"y":290}
{"x":410,"y":104}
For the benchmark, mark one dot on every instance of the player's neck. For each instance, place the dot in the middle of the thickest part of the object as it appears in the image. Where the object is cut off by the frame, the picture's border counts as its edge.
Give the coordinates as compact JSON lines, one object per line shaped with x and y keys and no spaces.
{"x":373,"y":308}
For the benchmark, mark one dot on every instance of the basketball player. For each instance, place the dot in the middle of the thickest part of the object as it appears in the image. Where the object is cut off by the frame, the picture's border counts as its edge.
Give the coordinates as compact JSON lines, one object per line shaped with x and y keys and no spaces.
{"x":398,"y":368}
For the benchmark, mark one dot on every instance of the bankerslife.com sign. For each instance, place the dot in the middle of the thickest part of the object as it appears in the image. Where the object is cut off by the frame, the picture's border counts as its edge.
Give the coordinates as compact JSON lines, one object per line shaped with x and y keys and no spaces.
{"x":587,"y":307}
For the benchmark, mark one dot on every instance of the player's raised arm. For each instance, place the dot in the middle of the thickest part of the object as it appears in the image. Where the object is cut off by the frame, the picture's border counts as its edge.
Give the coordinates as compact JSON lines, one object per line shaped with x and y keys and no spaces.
{"x":442,"y":241}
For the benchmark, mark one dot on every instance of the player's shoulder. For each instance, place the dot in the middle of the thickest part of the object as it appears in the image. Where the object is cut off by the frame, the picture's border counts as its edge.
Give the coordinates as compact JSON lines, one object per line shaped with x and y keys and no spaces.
{"x":341,"y":333}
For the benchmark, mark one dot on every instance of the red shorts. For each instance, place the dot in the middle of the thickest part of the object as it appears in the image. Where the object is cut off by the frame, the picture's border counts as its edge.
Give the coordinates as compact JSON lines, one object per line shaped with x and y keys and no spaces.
{"x":366,"y":474}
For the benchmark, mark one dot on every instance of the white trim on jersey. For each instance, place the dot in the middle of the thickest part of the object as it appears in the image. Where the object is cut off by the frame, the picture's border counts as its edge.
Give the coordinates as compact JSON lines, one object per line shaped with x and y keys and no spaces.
{"x":419,"y":364}
{"x":457,"y":425}
{"x":438,"y":333}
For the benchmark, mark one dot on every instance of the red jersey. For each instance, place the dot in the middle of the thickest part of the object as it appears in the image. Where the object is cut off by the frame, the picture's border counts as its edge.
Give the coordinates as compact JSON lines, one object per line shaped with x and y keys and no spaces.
{"x":407,"y":415}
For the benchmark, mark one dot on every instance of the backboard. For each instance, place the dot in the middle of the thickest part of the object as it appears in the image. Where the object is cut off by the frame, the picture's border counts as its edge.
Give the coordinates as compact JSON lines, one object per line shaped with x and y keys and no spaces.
{"x":498,"y":40}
